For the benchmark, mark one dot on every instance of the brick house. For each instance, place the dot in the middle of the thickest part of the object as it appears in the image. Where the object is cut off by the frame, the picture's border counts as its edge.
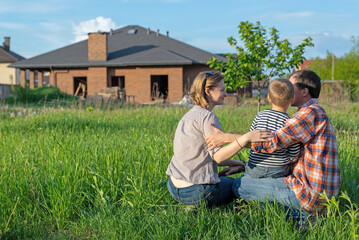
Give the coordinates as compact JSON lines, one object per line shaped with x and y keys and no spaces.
{"x":135,"y":58}
{"x":8,"y":76}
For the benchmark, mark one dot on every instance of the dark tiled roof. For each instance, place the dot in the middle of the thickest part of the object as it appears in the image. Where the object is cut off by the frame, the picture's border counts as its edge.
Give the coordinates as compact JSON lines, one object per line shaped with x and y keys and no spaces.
{"x":139,"y":49}
{"x":9,"y":56}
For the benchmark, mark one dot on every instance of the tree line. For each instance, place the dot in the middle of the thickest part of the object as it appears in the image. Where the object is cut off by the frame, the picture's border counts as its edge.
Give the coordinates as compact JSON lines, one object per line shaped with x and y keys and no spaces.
{"x":261,"y":55}
{"x":345,"y":68}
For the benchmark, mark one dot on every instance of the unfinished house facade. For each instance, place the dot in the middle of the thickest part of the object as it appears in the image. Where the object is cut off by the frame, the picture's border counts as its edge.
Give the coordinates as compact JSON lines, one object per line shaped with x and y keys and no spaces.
{"x":148,"y":65}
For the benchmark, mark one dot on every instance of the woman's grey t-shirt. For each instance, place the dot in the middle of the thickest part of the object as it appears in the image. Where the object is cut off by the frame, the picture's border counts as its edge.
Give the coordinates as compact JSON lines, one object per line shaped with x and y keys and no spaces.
{"x":192,"y":161}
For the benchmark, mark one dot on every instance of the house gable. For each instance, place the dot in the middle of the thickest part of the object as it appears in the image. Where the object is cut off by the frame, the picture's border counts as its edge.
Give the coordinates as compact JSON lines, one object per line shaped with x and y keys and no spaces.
{"x":122,"y":49}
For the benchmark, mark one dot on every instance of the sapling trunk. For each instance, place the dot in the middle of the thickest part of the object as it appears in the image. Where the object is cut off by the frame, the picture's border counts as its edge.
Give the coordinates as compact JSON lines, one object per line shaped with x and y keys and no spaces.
{"x":259,"y":97}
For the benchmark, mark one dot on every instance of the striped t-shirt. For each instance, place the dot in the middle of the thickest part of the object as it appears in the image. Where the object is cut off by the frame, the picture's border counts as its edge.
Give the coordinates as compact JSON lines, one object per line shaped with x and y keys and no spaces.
{"x":272,"y":120}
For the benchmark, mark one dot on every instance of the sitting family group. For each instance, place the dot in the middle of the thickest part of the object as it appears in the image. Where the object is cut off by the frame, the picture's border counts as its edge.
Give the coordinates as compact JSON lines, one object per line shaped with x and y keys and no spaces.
{"x":292,"y":160}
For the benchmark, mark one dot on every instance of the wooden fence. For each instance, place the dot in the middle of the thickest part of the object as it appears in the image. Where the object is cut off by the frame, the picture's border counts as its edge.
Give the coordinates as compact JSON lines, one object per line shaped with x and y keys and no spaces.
{"x":5,"y":91}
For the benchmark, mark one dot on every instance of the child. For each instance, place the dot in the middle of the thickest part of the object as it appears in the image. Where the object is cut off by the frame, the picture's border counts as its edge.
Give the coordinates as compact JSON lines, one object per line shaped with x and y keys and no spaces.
{"x":277,"y":164}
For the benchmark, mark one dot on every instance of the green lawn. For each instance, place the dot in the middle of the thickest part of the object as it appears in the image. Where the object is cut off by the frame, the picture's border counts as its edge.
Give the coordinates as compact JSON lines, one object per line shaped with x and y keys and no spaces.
{"x":91,"y":173}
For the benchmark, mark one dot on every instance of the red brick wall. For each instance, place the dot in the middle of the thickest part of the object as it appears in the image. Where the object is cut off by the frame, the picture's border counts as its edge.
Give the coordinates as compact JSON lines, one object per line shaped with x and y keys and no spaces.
{"x":64,"y":79}
{"x":32,"y":79}
{"x":96,"y":80}
{"x":40,"y":78}
{"x":52,"y":79}
{"x":137,"y":80}
{"x":22,"y":78}
{"x":189,"y":74}
{"x":97,"y":46}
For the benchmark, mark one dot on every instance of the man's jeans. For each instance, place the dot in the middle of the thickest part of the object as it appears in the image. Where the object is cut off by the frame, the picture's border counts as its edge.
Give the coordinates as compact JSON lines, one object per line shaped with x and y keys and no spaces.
{"x":212,"y":194}
{"x":268,"y":189}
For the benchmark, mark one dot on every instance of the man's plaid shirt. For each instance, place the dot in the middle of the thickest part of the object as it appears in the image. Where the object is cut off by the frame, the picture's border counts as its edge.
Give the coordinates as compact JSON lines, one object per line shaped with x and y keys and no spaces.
{"x":317,"y":168}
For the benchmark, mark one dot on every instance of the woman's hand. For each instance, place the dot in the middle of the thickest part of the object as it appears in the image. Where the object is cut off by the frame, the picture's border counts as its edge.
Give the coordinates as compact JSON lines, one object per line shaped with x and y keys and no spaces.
{"x":261,"y":135}
{"x":235,"y":166}
{"x":231,"y":170}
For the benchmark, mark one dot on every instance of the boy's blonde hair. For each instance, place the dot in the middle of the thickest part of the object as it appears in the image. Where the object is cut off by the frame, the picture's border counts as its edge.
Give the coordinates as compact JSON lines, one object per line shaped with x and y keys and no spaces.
{"x":204,"y":80}
{"x":281,"y":91}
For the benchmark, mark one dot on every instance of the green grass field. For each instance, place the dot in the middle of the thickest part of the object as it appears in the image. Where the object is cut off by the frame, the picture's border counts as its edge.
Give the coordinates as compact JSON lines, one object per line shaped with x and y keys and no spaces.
{"x":99,"y":173}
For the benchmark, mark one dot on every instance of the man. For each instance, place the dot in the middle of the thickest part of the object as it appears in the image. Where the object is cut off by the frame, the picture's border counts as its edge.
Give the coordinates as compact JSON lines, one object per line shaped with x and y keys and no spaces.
{"x":317,"y":169}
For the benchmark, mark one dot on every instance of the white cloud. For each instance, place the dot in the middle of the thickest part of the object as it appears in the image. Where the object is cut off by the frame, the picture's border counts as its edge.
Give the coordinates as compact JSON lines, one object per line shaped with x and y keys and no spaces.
{"x":38,"y":7}
{"x":51,"y":26}
{"x":82,"y":29}
{"x":290,"y":15}
{"x":173,"y":1}
{"x":323,"y":42}
{"x":287,"y":15}
{"x":12,"y":25}
{"x":213,"y":45}
{"x":152,"y":1}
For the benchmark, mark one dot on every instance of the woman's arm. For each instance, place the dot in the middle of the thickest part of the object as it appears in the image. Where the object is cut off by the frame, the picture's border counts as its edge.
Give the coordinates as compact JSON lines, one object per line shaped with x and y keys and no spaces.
{"x":232,"y":162}
{"x":230,"y":150}
{"x":218,"y":138}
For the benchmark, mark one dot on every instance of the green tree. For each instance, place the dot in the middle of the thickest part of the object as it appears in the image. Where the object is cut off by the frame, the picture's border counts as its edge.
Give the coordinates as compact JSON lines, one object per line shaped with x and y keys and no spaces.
{"x":348,"y":70}
{"x":323,"y":67}
{"x":262,"y":57}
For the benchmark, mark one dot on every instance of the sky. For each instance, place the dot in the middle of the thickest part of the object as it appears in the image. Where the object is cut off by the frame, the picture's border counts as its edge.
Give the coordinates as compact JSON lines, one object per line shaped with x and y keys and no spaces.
{"x":39,"y":26}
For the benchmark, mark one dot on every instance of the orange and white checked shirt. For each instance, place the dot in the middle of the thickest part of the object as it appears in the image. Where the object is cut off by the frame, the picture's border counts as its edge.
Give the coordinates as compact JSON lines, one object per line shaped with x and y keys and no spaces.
{"x":317,"y":168}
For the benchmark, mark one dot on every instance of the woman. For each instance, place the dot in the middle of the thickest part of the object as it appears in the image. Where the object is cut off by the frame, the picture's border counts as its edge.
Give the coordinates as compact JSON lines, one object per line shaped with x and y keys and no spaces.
{"x":193,"y":170}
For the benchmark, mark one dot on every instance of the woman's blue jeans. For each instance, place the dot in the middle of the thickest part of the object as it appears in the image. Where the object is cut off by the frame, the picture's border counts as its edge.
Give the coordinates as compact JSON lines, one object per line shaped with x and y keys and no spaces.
{"x":211,"y":194}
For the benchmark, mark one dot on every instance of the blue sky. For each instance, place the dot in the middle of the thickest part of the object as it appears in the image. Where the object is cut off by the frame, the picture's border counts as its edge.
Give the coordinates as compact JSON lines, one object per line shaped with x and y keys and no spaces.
{"x":39,"y":26}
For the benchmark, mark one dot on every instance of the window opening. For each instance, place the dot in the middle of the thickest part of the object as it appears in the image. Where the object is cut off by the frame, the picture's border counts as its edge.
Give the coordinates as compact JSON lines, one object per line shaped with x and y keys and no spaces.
{"x":80,"y":86}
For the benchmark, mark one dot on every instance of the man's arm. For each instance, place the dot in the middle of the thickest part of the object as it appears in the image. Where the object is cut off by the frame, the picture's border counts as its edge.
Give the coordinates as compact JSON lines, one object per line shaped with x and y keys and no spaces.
{"x":300,"y":128}
{"x":293,"y":152}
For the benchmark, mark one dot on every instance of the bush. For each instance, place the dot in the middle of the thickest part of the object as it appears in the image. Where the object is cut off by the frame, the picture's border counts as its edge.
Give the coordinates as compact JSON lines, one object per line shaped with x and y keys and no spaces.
{"x":48,"y":93}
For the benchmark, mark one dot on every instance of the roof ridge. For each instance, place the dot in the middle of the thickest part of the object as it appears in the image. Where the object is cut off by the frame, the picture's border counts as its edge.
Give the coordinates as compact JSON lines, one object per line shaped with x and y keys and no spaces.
{"x":12,"y":56}
{"x":121,"y":47}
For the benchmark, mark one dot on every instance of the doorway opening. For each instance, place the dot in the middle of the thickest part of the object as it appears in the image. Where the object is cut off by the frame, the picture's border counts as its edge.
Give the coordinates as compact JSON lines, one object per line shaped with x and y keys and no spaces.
{"x":118,"y":81}
{"x":159,"y":87}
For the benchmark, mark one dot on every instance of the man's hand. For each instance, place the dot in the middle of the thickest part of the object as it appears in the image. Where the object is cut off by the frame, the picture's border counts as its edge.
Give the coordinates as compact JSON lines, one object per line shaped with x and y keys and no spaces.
{"x":215,"y":139}
{"x":231,"y":170}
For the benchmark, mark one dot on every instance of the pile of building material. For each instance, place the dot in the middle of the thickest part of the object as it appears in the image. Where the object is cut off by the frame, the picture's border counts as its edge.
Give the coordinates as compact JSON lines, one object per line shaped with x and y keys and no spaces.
{"x":113,"y":94}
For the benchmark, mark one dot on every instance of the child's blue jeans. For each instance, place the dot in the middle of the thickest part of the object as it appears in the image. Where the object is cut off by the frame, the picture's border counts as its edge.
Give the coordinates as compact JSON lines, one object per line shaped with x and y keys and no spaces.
{"x":267,"y":172}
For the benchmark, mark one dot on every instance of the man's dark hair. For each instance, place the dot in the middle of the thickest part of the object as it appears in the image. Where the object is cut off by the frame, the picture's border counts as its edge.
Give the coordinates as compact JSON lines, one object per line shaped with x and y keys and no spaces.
{"x":308,"y":79}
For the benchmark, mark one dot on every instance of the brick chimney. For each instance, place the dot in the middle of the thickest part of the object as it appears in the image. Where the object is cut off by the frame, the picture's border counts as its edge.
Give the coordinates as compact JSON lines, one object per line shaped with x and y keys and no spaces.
{"x":6,"y":43}
{"x":97,"y":46}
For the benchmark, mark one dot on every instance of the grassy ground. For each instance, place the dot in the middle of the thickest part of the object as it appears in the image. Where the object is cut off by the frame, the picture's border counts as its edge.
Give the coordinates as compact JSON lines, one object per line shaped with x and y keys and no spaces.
{"x":88,"y":173}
